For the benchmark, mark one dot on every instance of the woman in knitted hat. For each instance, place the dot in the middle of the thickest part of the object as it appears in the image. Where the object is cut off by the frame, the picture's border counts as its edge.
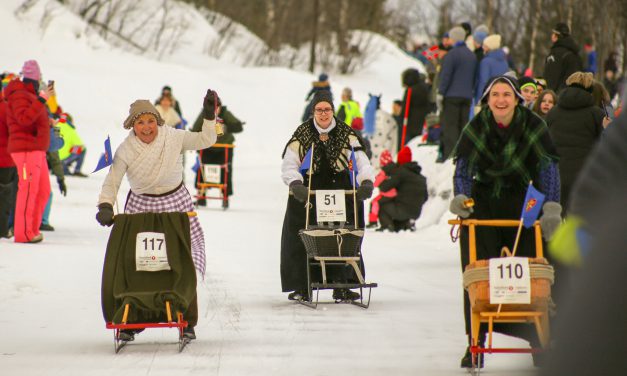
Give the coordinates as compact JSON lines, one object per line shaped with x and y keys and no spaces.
{"x":334,"y":142}
{"x":151,"y":159}
{"x":494,"y":63}
{"x":28,"y":140}
{"x":529,"y":90}
{"x":500,"y":151}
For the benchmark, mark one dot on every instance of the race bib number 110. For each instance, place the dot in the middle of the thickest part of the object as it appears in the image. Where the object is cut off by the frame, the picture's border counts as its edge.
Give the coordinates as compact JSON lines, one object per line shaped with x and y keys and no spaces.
{"x":510,"y":282}
{"x":150,"y":252}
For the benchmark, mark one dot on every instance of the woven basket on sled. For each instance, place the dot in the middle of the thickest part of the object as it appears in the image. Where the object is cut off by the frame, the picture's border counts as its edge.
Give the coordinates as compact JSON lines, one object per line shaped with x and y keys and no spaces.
{"x":479,"y":289}
{"x":332,"y":242}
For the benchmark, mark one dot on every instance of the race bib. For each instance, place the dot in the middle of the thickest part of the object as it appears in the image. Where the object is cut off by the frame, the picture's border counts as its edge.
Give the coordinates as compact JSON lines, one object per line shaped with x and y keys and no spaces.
{"x":211,"y":173}
{"x":330,"y":206}
{"x":150,"y":252}
{"x":510,"y":281}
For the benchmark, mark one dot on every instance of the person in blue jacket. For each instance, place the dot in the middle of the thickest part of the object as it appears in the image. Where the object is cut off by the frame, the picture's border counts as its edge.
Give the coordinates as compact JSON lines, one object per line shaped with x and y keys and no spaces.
{"x":494,"y":63}
{"x":457,"y":82}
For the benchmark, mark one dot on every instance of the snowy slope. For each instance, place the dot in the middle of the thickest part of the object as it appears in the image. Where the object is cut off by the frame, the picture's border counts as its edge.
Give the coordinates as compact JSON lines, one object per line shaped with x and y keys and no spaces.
{"x":50,"y":317}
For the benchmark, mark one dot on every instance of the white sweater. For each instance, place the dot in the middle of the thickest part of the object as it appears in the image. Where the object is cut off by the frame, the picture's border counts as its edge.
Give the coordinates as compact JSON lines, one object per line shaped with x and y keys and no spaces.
{"x":154,"y":168}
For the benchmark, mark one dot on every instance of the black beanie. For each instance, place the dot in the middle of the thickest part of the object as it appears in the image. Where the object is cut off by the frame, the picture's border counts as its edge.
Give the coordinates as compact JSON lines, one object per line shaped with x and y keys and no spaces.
{"x":322,"y":96}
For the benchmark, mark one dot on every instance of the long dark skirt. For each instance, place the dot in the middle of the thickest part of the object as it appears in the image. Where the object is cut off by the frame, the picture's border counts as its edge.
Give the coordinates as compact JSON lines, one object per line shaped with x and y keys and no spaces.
{"x":293,"y":255}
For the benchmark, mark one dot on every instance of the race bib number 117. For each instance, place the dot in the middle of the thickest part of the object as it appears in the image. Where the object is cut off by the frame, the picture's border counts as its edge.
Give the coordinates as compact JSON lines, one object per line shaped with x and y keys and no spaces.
{"x":150,"y":252}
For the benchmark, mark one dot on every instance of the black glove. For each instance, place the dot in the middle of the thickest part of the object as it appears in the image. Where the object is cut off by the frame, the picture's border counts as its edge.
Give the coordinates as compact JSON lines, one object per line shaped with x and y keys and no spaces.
{"x":62,"y":187}
{"x":209,"y":105}
{"x":105,"y":214}
{"x":364,"y":191}
{"x":299,"y":191}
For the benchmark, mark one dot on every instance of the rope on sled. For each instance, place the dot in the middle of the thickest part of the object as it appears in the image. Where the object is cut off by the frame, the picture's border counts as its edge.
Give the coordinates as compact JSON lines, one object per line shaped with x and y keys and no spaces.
{"x":480,"y":274}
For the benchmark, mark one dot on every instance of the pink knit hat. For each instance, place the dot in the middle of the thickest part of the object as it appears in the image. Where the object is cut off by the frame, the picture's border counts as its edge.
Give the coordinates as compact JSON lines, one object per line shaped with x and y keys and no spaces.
{"x":31,"y":70}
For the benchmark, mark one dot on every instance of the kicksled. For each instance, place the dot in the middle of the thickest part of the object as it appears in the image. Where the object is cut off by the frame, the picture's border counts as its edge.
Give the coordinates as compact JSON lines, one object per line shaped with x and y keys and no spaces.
{"x":148,"y":278}
{"x":331,"y":245}
{"x":529,"y":277}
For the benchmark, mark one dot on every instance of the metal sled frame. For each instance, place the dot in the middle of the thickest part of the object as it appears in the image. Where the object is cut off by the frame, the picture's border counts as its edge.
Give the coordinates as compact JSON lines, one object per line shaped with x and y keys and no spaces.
{"x":324,"y":261}
{"x":179,"y":323}
{"x":222,"y":187}
{"x":539,"y":318}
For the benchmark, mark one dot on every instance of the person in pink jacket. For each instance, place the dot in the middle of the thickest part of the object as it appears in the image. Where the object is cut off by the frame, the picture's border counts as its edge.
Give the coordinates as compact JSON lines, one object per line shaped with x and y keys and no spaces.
{"x":373,"y":217}
{"x":29,"y":138}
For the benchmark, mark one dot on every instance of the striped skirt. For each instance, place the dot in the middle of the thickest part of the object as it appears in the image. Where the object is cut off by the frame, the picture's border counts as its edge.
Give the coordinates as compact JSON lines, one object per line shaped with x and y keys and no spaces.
{"x":178,"y":200}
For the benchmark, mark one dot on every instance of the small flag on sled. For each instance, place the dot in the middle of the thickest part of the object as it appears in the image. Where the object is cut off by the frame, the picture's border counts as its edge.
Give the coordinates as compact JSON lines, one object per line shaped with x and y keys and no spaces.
{"x":352,"y":165}
{"x":532,"y":206}
{"x":106,"y":158}
{"x":196,"y":165}
{"x":304,"y":166}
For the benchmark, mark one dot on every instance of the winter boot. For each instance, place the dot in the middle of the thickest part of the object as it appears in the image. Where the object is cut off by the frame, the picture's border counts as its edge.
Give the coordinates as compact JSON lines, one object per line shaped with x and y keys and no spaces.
{"x":46,"y":227}
{"x":189,"y":333}
{"x":345,"y":294}
{"x":126,"y":335}
{"x":467,"y":359}
{"x":36,"y":239}
{"x":298,"y":295}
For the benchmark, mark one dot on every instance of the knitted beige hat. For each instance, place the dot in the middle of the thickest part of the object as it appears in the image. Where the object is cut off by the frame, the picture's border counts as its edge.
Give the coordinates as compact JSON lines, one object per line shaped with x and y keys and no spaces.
{"x":458,"y":34}
{"x":140,"y":107}
{"x":492,"y":42}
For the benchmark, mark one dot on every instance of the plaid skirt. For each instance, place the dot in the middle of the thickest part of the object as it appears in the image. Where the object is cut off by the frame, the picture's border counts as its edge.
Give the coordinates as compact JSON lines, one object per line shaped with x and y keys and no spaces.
{"x":177,"y":201}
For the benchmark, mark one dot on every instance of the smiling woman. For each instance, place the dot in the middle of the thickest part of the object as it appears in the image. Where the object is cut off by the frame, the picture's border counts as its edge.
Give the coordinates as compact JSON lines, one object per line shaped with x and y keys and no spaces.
{"x":145,"y":127}
{"x":333,"y":142}
{"x":151,"y":159}
{"x":500,"y":150}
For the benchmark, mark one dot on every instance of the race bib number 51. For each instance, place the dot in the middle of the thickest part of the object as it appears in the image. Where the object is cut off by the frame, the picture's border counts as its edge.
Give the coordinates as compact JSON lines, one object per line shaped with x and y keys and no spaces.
{"x":509,"y":280}
{"x":330,"y":206}
{"x":150,"y":252}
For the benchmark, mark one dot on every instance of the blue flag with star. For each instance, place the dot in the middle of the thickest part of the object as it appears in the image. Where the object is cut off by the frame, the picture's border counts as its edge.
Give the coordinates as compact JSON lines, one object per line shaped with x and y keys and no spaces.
{"x":304,"y":166}
{"x":352,"y":165}
{"x":106,"y":158}
{"x":532,"y":206}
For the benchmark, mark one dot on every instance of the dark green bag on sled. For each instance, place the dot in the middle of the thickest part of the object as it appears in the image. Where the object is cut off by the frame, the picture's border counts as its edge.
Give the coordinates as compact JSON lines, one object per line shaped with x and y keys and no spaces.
{"x":147,"y":291}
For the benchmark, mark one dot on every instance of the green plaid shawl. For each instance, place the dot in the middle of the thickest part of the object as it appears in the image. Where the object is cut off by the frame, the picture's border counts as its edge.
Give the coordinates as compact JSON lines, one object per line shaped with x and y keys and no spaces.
{"x":510,"y":157}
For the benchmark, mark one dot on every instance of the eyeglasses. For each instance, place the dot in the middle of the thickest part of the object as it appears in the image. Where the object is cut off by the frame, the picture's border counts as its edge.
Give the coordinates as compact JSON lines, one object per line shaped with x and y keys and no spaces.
{"x":321,"y":111}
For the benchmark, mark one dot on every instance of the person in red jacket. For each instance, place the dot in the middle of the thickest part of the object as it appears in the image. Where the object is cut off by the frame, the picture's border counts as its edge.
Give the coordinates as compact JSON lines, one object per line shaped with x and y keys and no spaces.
{"x":8,"y":176}
{"x":29,"y":138}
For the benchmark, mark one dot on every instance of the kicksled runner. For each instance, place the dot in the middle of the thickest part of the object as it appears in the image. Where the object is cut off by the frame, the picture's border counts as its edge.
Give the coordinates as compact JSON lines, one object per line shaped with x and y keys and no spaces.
{"x":148,"y":278}
{"x":331,"y":245}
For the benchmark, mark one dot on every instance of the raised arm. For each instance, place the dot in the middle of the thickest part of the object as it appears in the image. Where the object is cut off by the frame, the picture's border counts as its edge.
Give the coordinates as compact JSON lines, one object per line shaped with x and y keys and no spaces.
{"x":207,"y":136}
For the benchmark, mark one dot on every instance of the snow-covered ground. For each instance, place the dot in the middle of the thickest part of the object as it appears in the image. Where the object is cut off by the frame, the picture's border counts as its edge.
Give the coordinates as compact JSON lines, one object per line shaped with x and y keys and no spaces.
{"x":50,"y":316}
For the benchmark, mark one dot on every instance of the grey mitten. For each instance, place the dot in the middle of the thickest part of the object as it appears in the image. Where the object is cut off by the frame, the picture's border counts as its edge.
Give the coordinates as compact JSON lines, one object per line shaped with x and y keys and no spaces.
{"x":458,"y":206}
{"x":364,"y":191}
{"x":299,"y":190}
{"x":551,"y":219}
